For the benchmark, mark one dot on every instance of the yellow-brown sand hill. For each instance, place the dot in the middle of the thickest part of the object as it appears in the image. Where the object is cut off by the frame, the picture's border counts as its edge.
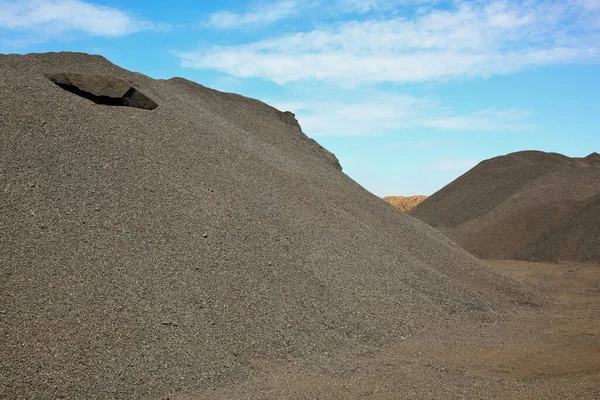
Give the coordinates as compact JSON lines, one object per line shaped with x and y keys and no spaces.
{"x":404,"y":203}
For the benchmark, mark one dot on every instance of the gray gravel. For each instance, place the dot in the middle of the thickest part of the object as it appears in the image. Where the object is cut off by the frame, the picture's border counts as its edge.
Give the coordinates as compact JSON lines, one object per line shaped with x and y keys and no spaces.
{"x":528,"y":205}
{"x":148,"y":253}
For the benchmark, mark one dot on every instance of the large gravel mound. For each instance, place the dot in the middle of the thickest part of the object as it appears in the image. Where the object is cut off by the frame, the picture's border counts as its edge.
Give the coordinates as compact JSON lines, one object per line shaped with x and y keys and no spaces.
{"x":528,"y":205}
{"x":148,"y":252}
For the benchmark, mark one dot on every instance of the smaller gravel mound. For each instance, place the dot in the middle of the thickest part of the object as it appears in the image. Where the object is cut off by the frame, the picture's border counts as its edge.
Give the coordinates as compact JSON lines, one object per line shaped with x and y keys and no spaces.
{"x":528,"y":205}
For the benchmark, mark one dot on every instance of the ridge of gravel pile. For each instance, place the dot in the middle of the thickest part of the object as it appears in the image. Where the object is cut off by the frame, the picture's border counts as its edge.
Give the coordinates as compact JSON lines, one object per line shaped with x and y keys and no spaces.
{"x":528,"y":205}
{"x":148,"y":252}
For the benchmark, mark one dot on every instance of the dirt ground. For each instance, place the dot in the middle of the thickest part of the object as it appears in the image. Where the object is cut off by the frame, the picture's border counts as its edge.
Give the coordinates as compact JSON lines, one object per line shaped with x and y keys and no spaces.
{"x":540,"y":352}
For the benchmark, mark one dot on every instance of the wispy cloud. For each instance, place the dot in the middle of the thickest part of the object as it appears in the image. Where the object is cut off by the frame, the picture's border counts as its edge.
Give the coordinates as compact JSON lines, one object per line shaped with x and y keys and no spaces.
{"x":360,"y":5}
{"x":50,"y":18}
{"x":470,"y":39}
{"x":590,"y":5}
{"x":379,"y":113}
{"x":484,"y":120}
{"x":263,"y":13}
{"x":374,"y":114}
{"x":365,"y":6}
{"x":258,"y":15}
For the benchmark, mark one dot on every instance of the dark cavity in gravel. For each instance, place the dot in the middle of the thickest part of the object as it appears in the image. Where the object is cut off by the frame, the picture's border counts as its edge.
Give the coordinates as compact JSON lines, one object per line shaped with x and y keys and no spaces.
{"x":105,"y":90}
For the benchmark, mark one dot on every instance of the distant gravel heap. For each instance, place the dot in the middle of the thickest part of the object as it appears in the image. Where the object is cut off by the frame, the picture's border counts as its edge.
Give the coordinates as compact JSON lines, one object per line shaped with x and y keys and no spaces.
{"x":404,"y":203}
{"x":149,"y":252}
{"x":528,"y":205}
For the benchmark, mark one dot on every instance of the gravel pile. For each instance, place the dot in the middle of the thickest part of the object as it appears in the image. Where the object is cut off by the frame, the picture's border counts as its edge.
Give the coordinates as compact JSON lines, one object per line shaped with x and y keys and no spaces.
{"x":148,"y":252}
{"x":528,"y":205}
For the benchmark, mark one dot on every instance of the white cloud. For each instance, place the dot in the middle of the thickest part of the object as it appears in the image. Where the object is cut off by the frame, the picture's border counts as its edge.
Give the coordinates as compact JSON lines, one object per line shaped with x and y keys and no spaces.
{"x":590,"y":5}
{"x":266,"y":13}
{"x":54,"y":17}
{"x":478,"y":39}
{"x":259,"y":15}
{"x":365,"y":6}
{"x":374,"y":114}
{"x":484,"y":120}
{"x":380,"y":113}
{"x":361,"y":6}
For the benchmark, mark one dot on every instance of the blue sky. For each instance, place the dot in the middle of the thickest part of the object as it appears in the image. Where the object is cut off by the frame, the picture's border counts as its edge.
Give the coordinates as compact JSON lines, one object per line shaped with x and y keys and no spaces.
{"x":409,"y":94}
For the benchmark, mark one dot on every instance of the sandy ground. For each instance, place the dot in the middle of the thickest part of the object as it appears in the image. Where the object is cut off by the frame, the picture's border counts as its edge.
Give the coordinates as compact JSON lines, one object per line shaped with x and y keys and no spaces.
{"x":539,"y":352}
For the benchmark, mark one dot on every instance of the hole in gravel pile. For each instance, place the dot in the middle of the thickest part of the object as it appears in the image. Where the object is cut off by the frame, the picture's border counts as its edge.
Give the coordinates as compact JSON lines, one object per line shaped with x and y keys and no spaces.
{"x":102,"y":89}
